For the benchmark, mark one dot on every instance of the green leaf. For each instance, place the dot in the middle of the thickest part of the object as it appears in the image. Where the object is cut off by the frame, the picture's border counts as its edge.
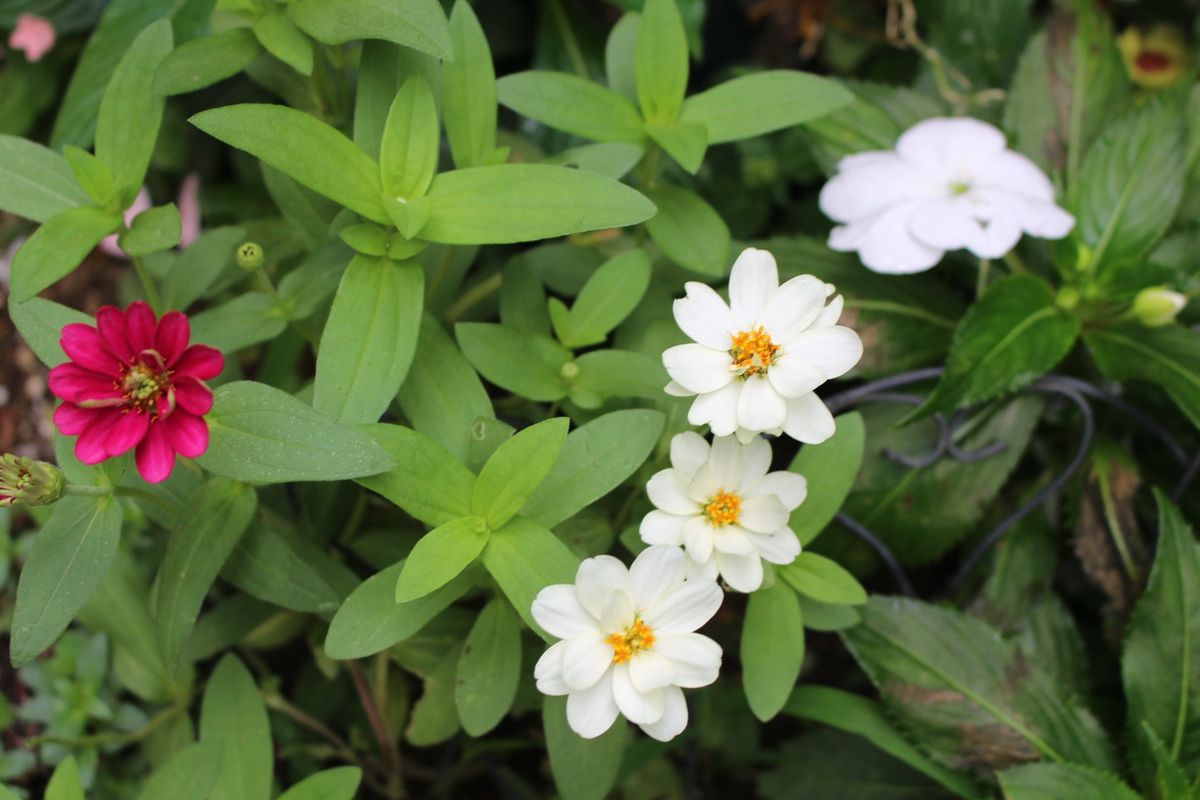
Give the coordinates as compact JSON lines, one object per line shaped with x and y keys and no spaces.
{"x":307,"y":213}
{"x":822,"y":579}
{"x":523,"y":363}
{"x":489,"y":668}
{"x":367,"y":238}
{"x":65,"y":783}
{"x":683,"y":141}
{"x":189,"y":774}
{"x":827,"y":618}
{"x":1170,"y":781}
{"x":70,"y":556}
{"x":434,"y":718}
{"x":583,"y":769}
{"x":195,"y":554}
{"x":408,"y":156}
{"x":605,"y":374}
{"x":523,"y":202}
{"x":945,"y":675}
{"x":339,"y":783}
{"x":469,"y":90}
{"x":486,"y":436}
{"x":57,"y":248}
{"x":282,"y":39}
{"x":370,"y":620}
{"x":282,"y":568}
{"x":661,"y":68}
{"x":982,"y":39}
{"x":202,"y":62}
{"x":369,"y":340}
{"x":40,"y":323}
{"x":94,"y":176}
{"x":1160,"y":660}
{"x":35,"y":182}
{"x":609,"y":296}
{"x":152,"y":231}
{"x":516,"y":469}
{"x":772,"y":648}
{"x":572,"y":104}
{"x":200,"y":265}
{"x":1055,"y":781}
{"x":259,"y":434}
{"x":620,"y":55}
{"x":859,"y":715}
{"x":753,"y":105}
{"x":830,"y":469}
{"x":594,"y":460}
{"x":245,"y":320}
{"x":523,"y":298}
{"x":131,"y":112}
{"x":614,"y":159}
{"x":419,"y":24}
{"x":524,"y":557}
{"x":1168,"y":357}
{"x":426,"y":481}
{"x":1012,"y":336}
{"x":1030,"y":116}
{"x":689,"y":231}
{"x":440,"y":556}
{"x":301,"y":147}
{"x":232,"y":716}
{"x":876,"y":118}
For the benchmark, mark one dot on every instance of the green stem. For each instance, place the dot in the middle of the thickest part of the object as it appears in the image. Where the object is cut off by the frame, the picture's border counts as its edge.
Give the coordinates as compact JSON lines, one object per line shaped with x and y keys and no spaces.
{"x":574,"y":53}
{"x":985,"y":266}
{"x":1114,"y":527}
{"x":115,"y":738}
{"x":1014,"y":262}
{"x":85,"y":489}
{"x":387,"y":746}
{"x":472,"y":296}
{"x":148,"y":285}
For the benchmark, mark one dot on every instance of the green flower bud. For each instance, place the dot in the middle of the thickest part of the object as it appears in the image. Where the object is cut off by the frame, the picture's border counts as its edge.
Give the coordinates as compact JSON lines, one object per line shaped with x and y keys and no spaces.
{"x":1068,"y":298}
{"x":34,"y":483}
{"x":250,"y":256}
{"x":569,"y":371}
{"x":1157,"y":307}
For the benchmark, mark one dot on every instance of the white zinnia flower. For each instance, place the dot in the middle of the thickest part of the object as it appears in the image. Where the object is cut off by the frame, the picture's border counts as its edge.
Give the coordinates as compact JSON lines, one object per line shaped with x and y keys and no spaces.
{"x":628,"y":642}
{"x":950,"y":183}
{"x":756,"y":361}
{"x":723,"y":506}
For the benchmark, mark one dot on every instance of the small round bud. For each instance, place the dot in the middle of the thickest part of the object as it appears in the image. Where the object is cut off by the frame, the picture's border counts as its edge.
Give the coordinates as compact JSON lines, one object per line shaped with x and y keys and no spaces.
{"x":34,"y":483}
{"x":1068,"y":298}
{"x":250,"y":256}
{"x":569,"y":371}
{"x":1157,"y":307}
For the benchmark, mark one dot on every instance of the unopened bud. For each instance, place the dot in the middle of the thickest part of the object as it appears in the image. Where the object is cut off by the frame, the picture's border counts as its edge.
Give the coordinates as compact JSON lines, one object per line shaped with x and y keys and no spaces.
{"x":250,"y":256}
{"x":34,"y":483}
{"x":1157,"y":307}
{"x":1067,"y":298}
{"x":569,"y":371}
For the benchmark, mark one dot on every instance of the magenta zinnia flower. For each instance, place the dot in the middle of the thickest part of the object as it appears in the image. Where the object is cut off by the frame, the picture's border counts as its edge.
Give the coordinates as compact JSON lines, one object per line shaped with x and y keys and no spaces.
{"x":133,"y":381}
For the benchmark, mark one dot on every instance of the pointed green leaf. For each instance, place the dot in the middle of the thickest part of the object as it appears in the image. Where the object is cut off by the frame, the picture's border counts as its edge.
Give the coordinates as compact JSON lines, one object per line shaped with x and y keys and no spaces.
{"x":232,"y":716}
{"x":426,"y":481}
{"x":572,"y":104}
{"x":524,"y":558}
{"x":40,"y":323}
{"x":440,"y":556}
{"x":523,"y":363}
{"x":830,"y":469}
{"x":339,"y":783}
{"x":152,"y":231}
{"x":610,"y":295}
{"x":823,"y":579}
{"x":282,"y":39}
{"x":772,"y":648}
{"x":620,"y":55}
{"x":614,"y":159}
{"x":662,"y":61}
{"x":605,"y":374}
{"x":683,"y":141}
{"x":753,"y":105}
{"x":189,"y":774}
{"x":689,"y":231}
{"x":583,"y":769}
{"x":65,"y":783}
{"x":469,"y":90}
{"x":408,"y":155}
{"x":1169,"y":357}
{"x":1056,"y":781}
{"x":516,"y":469}
{"x":489,"y":668}
{"x":281,"y":567}
{"x":58,"y":247}
{"x":202,"y":62}
{"x":94,"y":176}
{"x":35,"y":182}
{"x":419,"y":24}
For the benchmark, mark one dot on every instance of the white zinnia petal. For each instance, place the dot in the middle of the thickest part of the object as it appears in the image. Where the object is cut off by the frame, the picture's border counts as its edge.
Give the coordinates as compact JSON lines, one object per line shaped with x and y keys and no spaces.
{"x":743,"y":573}
{"x":830,"y":351}
{"x":584,"y":660}
{"x":704,"y":317}
{"x":697,"y":658}
{"x":687,"y":609}
{"x":778,"y":548}
{"x":620,"y":612}
{"x":675,"y":390}
{"x":674,"y":716}
{"x":752,"y":281}
{"x":717,"y":409}
{"x":764,"y":513}
{"x":724,"y":468}
{"x":668,"y":493}
{"x":760,"y":406}
{"x":792,"y":375}
{"x":791,"y":488}
{"x":698,"y":539}
{"x":732,"y":539}
{"x":808,"y":420}
{"x":659,"y":527}
{"x":548,"y":671}
{"x":698,"y":368}
{"x":650,"y":670}
{"x":656,"y":571}
{"x":558,"y":610}
{"x":637,"y":706}
{"x":595,"y":581}
{"x":830,"y":314}
{"x":592,"y":711}
{"x":794,"y":307}
{"x":756,"y":460}
{"x":688,"y":451}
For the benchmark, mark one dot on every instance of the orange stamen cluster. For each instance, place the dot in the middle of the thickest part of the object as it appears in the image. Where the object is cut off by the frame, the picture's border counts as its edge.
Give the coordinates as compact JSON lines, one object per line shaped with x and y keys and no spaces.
{"x":752,"y":351}
{"x":723,"y":508}
{"x":637,"y":636}
{"x":143,"y":385}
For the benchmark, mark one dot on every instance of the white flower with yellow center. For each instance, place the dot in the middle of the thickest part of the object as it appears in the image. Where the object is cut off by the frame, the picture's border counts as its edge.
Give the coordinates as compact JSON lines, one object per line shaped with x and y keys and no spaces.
{"x":628,"y":642}
{"x":723,"y":506}
{"x":755,"y":363}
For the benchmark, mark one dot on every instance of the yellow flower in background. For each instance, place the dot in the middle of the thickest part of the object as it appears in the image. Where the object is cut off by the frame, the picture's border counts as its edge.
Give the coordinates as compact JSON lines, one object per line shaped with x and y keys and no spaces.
{"x":1157,"y":57}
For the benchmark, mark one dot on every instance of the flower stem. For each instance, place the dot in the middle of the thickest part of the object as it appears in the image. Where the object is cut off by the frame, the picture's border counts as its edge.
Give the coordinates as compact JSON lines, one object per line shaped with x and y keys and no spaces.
{"x":88,"y":490}
{"x":387,"y":745}
{"x":1014,"y":262}
{"x":985,"y":266}
{"x":472,"y":296}
{"x":570,"y":43}
{"x":148,"y":285}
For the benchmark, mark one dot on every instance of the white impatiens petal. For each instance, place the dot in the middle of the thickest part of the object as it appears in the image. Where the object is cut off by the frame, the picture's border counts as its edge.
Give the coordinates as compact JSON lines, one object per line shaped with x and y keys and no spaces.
{"x":792,"y":376}
{"x":698,"y":368}
{"x":790,"y":487}
{"x":595,"y":581}
{"x":648,"y":670}
{"x":867,"y":183}
{"x":659,"y":527}
{"x":668,"y":493}
{"x":704,"y":317}
{"x":752,"y":281}
{"x":656,"y":571}
{"x":687,"y":609}
{"x":756,"y":460}
{"x":1000,"y":234}
{"x":778,"y":548}
{"x":956,"y":146}
{"x":742,"y":573}
{"x":698,"y":539}
{"x":636,"y":706}
{"x":764,"y":513}
{"x":887,"y":245}
{"x":688,"y":451}
{"x":674,"y":716}
{"x":808,"y":420}
{"x":696,"y":657}
{"x":548,"y":671}
{"x":732,"y":539}
{"x":593,"y":711}
{"x":760,"y":407}
{"x":831,"y":351}
{"x":793,"y":308}
{"x":717,"y":409}
{"x":830,"y":314}
{"x":584,"y":660}
{"x":1036,"y":217}
{"x":558,"y":610}
{"x":1016,"y":173}
{"x":946,"y":223}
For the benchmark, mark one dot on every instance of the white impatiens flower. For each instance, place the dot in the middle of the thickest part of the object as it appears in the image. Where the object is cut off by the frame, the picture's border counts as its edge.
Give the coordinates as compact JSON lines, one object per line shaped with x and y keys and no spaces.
{"x":723,"y":506}
{"x":755,"y":362}
{"x":950,"y":183}
{"x":628,"y":642}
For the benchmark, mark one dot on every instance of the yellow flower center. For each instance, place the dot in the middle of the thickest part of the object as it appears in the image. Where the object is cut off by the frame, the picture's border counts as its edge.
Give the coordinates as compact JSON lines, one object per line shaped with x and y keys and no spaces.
{"x":142,"y":386}
{"x":752,"y":352}
{"x":723,"y":508}
{"x":636,"y":637}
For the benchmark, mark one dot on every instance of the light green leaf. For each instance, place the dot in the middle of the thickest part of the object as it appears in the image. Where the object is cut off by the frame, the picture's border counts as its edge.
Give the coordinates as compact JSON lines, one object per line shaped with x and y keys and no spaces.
{"x":689,"y":231}
{"x":57,"y":248}
{"x":439,"y":556}
{"x":307,"y":213}
{"x":302,"y":147}
{"x":609,"y":296}
{"x":282,"y":39}
{"x":620,"y":55}
{"x":683,"y":141}
{"x":827,"y":618}
{"x":426,"y":481}
{"x":523,"y":298}
{"x":282,"y":568}
{"x":65,"y":783}
{"x":583,"y":769}
{"x":232,"y":716}
{"x":258,"y":433}
{"x":195,"y":554}
{"x":523,"y":363}
{"x":830,"y":469}
{"x":152,"y":231}
{"x":469,"y":90}
{"x":40,"y":323}
{"x":661,"y":67}
{"x":614,"y":159}
{"x":366,"y":238}
{"x":772,"y":648}
{"x":35,"y":182}
{"x":339,"y":783}
{"x":189,"y":774}
{"x":604,"y":374}
{"x":1169,"y":357}
{"x":419,"y":24}
{"x":408,"y":155}
{"x":369,"y":340}
{"x":245,"y":320}
{"x":94,"y":176}
{"x":1056,"y":781}
{"x":516,"y":469}
{"x":434,"y":718}
{"x":131,"y":112}
{"x":572,"y":104}
{"x":753,"y":105}
{"x":523,"y":202}
{"x":822,"y":579}
{"x":71,"y":555}
{"x":200,"y":265}
{"x":489,"y":668}
{"x":202,"y":62}
{"x":524,"y":557}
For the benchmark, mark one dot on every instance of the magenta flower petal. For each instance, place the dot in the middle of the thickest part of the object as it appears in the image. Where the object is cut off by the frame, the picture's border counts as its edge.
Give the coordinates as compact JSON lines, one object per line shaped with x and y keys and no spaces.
{"x":201,"y":361}
{"x":193,"y":396}
{"x":110,"y":325}
{"x":129,"y":430}
{"x":90,"y":446}
{"x":188,"y":434}
{"x":72,"y":420}
{"x":82,"y":345}
{"x":172,"y":337}
{"x":142,"y":326}
{"x":155,"y":458}
{"x":33,"y":35}
{"x":76,"y":384}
